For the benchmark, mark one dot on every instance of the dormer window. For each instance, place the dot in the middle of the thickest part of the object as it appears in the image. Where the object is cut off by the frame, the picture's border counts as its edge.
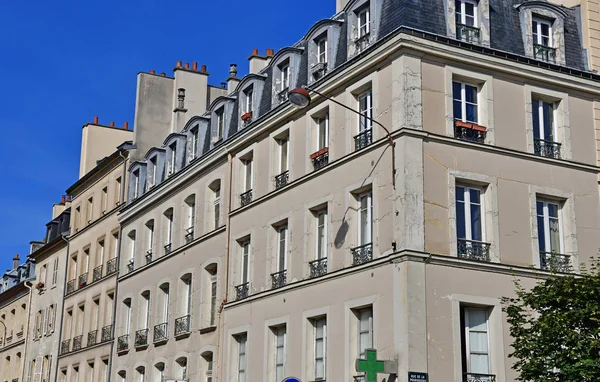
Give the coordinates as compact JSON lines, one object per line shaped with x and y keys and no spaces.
{"x":467,"y":23}
{"x":152,"y":179}
{"x":220,"y":114}
{"x":285,"y":75}
{"x":322,"y":50}
{"x":364,"y":19}
{"x":541,"y":30}
{"x":195,"y":141}
{"x":136,"y":183}
{"x":171,"y":165}
{"x":249,"y":93}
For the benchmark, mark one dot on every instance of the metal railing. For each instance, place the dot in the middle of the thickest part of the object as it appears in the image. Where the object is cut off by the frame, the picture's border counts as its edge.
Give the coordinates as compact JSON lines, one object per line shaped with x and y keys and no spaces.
{"x":473,"y":377}
{"x":71,"y":286}
{"x":123,"y":343}
{"x":160,"y":332}
{"x":82,"y":280}
{"x":318,"y":267}
{"x":362,"y":254}
{"x":130,"y":266}
{"x":282,"y":96}
{"x":362,"y":42}
{"x":552,"y":261}
{"x":278,"y":279}
{"x":65,"y":346}
{"x":241,"y":291}
{"x":468,"y":33}
{"x":246,"y":198}
{"x":320,"y":161}
{"x":168,"y":248}
{"x":473,"y":250}
{"x":282,"y":179}
{"x":467,"y":134}
{"x":97,"y":273}
{"x":189,"y":235}
{"x":92,"y":338}
{"x":148,"y":256}
{"x":141,"y":338}
{"x":363,"y":139}
{"x":544,"y":53}
{"x":545,"y":148}
{"x":106,"y":333}
{"x":111,"y":266}
{"x":77,"y":342}
{"x":182,"y":325}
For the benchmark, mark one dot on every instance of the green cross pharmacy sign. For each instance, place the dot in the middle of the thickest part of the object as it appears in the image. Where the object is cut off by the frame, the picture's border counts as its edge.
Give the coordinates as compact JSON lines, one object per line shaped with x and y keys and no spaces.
{"x":371,"y":366}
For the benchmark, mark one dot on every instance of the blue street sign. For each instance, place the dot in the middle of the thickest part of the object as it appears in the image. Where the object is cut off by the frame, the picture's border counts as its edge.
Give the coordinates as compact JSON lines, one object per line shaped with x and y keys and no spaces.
{"x":291,"y":379}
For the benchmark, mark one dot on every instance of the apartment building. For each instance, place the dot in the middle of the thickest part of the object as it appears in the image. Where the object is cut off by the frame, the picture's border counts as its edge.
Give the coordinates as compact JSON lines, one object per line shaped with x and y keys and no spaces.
{"x":263,"y":240}
{"x":45,"y":314}
{"x":91,"y":266}
{"x":15,"y":302}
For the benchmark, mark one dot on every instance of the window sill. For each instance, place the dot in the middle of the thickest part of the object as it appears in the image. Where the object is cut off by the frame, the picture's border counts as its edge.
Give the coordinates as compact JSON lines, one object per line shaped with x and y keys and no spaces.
{"x":160,"y":342}
{"x":183,"y":335}
{"x":208,"y":329}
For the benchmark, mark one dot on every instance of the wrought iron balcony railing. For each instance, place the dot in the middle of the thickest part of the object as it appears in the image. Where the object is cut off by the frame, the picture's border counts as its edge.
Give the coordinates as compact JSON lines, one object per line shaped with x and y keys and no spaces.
{"x":106,"y":333}
{"x":130,"y":266}
{"x":544,"y":53}
{"x":71,"y":286}
{"x":65,"y":346}
{"x":321,"y":160}
{"x":246,"y":198}
{"x":83,"y":279}
{"x":362,"y":254}
{"x":473,"y":250}
{"x":123,"y":343}
{"x":189,"y":235}
{"x":148,"y":256}
{"x":318,"y":267}
{"x":552,"y":261}
{"x":182,"y":325}
{"x":141,"y":338}
{"x":241,"y":291}
{"x":282,"y":179}
{"x":278,"y":279}
{"x":470,"y":134}
{"x":546,"y":148}
{"x":362,"y":42}
{"x":168,"y":248}
{"x":97,"y":274}
{"x":77,"y":342}
{"x":473,"y":377}
{"x":363,"y":139}
{"x":468,"y":33}
{"x":111,"y":266}
{"x":160,"y":332}
{"x":92,"y":338}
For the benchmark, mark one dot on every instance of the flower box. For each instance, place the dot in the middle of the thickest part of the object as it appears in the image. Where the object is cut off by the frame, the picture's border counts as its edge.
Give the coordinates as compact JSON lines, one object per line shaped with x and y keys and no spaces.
{"x":470,"y":125}
{"x":246,"y":116}
{"x":319,"y":153}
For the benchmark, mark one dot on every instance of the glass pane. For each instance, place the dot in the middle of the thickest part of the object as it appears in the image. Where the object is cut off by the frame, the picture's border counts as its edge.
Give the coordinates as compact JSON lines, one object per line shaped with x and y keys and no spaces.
{"x":548,"y":114}
{"x":457,"y":109}
{"x":471,"y":94}
{"x":456,"y":90}
{"x":472,"y":113}
{"x":279,"y":358}
{"x":554,"y":235}
{"x":319,"y":369}
{"x":553,"y":210}
{"x":476,"y":233}
{"x":535,"y":111}
{"x":460,"y":220}
{"x":280,"y":337}
{"x":474,"y":195}
{"x":541,"y":234}
{"x":478,"y":319}
{"x":540,"y":208}
{"x":480,"y":364}
{"x":478,"y":342}
{"x":460,"y":193}
{"x":319,"y":349}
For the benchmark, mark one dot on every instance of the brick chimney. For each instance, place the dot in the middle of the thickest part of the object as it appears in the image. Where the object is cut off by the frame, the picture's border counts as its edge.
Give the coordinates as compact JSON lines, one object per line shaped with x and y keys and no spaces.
{"x":258,"y":62}
{"x":16,"y":261}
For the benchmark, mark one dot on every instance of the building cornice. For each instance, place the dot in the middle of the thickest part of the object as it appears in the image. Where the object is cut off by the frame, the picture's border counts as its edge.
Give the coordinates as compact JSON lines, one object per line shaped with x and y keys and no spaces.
{"x":50,"y":248}
{"x":103,"y":167}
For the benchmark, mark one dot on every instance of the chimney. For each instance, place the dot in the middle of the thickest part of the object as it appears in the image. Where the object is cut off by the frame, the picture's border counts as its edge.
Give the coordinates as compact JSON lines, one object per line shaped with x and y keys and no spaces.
{"x":16,"y":261}
{"x":233,"y":79}
{"x":195,"y":66}
{"x":126,"y":125}
{"x":95,"y":120}
{"x":203,"y":68}
{"x":257,"y":62}
{"x":152,"y":71}
{"x":63,"y":200}
{"x":112,"y":124}
{"x":187,"y":65}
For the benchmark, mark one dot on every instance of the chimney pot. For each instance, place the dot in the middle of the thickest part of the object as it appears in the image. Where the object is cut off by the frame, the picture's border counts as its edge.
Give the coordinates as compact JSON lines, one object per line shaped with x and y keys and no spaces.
{"x":232,"y":70}
{"x":62,"y":201}
{"x":95,"y":120}
{"x":270,"y":52}
{"x":187,"y":65}
{"x":163,"y":74}
{"x":152,"y":71}
{"x":195,"y":66}
{"x":203,"y":68}
{"x":179,"y":64}
{"x":255,"y":52}
{"x":112,"y":124}
{"x":126,"y":125}
{"x":16,"y":261}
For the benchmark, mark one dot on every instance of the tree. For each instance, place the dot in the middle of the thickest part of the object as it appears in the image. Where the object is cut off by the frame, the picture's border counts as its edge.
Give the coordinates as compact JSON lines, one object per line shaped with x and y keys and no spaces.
{"x":556,"y":328}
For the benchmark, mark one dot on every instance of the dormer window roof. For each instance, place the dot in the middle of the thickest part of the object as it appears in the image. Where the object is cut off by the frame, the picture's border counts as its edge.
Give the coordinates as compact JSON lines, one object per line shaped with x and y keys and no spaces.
{"x":543,"y":26}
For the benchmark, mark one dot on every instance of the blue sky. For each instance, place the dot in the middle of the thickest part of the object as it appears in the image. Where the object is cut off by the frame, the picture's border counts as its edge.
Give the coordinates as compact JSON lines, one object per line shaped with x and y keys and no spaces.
{"x":62,"y":63}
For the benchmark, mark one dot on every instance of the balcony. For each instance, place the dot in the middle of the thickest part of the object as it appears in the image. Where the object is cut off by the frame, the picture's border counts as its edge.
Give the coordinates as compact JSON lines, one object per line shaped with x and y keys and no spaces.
{"x":556,"y":262}
{"x":246,"y":198}
{"x":123,"y":343}
{"x":320,"y":159}
{"x":468,"y":131}
{"x":77,"y":342}
{"x":97,"y":273}
{"x":362,"y":254}
{"x":141,"y":338}
{"x":241,"y":291}
{"x":282,"y":96}
{"x":363,"y":139}
{"x":189,"y":235}
{"x":544,"y":53}
{"x":106,"y":333}
{"x":65,"y":347}
{"x":160,"y":333}
{"x":282,"y":179}
{"x":318,"y":267}
{"x":468,"y":33}
{"x":472,"y":377}
{"x":278,"y":279}
{"x":148,"y":256}
{"x":82,"y":280}
{"x":182,"y":326}
{"x":168,"y":248}
{"x":71,"y":286}
{"x":473,"y":250}
{"x":111,"y":266}
{"x":130,"y":266}
{"x":92,"y":338}
{"x":547,"y":149}
{"x":362,"y":42}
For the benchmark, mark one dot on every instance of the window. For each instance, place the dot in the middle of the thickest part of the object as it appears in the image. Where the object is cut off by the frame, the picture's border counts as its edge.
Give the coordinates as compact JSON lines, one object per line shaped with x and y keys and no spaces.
{"x":153,"y":171}
{"x":181,"y":364}
{"x":164,"y":288}
{"x":320,"y":347}
{"x":469,"y":213}
{"x":365,"y":220}
{"x":466,"y":12}
{"x":159,"y":372}
{"x":43,"y":274}
{"x":321,"y":235}
{"x":242,"y":340}
{"x":47,"y":367}
{"x":95,"y":313}
{"x":122,"y":376}
{"x":141,"y":373}
{"x":365,"y":330}
{"x":145,"y":313}
{"x":245,"y":268}
{"x":211,"y":294}
{"x":544,"y":128}
{"x":149,"y":237}
{"x":77,"y":217}
{"x":127,"y":311}
{"x":247,"y":174}
{"x":283,"y":154}
{"x":190,"y":203}
{"x":51,"y":318}
{"x":75,"y":377}
{"x":365,"y":108}
{"x":323,"y":132}
{"x":465,"y":102}
{"x":100,"y":255}
{"x":217,"y":205}
{"x":282,"y":237}
{"x":91,"y":372}
{"x":364,"y":19}
{"x":549,"y":227}
{"x":279,"y":353}
{"x":118,"y":191}
{"x":322,"y":50}
{"x":168,"y":217}
{"x":104,"y":200}
{"x":172,"y":158}
{"x":187,"y":292}
{"x":542,"y":31}
{"x":194,"y":142}
{"x":131,"y":237}
{"x":208,"y":359}
{"x":90,"y":210}
{"x":475,"y":341}
{"x":136,"y":183}
{"x":285,"y":76}
{"x":55,"y":271}
{"x":220,"y":114}
{"x":249,"y":94}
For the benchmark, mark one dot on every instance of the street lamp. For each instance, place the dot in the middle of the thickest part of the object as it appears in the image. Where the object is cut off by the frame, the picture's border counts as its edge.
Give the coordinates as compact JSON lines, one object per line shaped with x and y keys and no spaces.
{"x":300,"y":98}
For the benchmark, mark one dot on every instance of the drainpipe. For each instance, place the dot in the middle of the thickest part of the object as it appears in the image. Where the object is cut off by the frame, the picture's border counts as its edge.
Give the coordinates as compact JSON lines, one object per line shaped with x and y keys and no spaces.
{"x":3,"y":338}
{"x":29,"y":286}
{"x":115,"y":301}
{"x":227,"y":252}
{"x":122,"y":199}
{"x":62,"y":308}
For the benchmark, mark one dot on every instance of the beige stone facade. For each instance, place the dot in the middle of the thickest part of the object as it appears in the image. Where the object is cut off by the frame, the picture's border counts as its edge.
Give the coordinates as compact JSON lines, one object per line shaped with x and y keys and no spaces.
{"x":14,"y":313}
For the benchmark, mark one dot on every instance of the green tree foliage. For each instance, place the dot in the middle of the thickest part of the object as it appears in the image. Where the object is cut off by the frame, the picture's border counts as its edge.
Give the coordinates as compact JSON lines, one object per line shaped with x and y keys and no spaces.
{"x":556,"y":328}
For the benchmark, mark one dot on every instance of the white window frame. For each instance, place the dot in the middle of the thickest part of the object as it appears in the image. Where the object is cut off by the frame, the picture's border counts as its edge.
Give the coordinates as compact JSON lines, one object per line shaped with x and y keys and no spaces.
{"x":321,"y":251}
{"x":277,"y":333}
{"x":220,"y":114}
{"x":213,"y":298}
{"x":366,"y":110}
{"x":369,"y":211}
{"x":467,"y":205}
{"x":153,"y":162}
{"x":249,"y":104}
{"x":467,"y":330}
{"x":173,"y":156}
{"x":364,"y":28}
{"x":195,"y":133}
{"x":166,"y":297}
{"x":191,"y":207}
{"x":284,"y":154}
{"x":316,"y":323}
{"x":541,"y":122}
{"x":546,"y":228}
{"x":55,"y":272}
{"x":369,"y":330}
{"x":169,"y":233}
{"x":248,"y":174}
{"x":245,"y":263}
{"x":322,"y":50}
{"x":150,"y":235}
{"x":463,"y":15}
{"x":242,"y":350}
{"x":537,"y":22}
{"x":285,"y":76}
{"x":323,"y":132}
{"x":282,"y":230}
{"x":463,"y":100}
{"x":217,"y":206}
{"x":136,"y":183}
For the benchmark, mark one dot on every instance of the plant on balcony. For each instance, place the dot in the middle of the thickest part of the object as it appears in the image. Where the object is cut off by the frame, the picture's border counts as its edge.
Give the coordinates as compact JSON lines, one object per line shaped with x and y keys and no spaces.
{"x":555,"y":327}
{"x":39,"y":286}
{"x":470,"y":125}
{"x":246,"y":116}
{"x":319,"y":153}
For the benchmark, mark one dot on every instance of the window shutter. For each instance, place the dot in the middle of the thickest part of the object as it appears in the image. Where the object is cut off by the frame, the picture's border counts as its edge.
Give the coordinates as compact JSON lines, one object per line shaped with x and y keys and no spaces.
{"x":35,"y":327}
{"x":45,"y":322}
{"x":47,"y":376}
{"x":37,"y":373}
{"x":55,"y":272}
{"x":53,"y":317}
